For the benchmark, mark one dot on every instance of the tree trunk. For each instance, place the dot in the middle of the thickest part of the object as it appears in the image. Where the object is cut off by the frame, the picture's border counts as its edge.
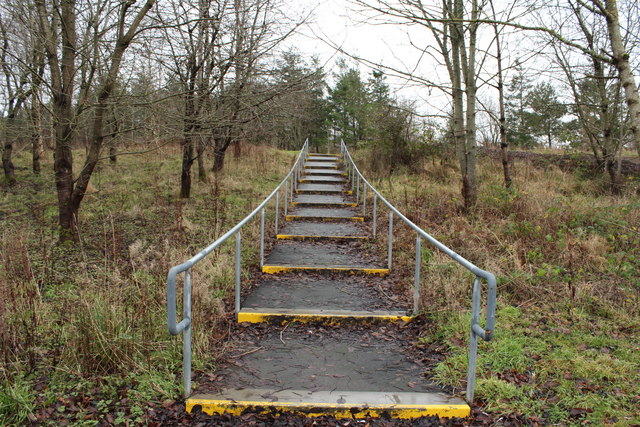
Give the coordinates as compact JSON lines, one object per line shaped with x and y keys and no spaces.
{"x":202,"y":170}
{"x":63,"y":166}
{"x":504,"y":143}
{"x":218,"y":159}
{"x":467,"y":64}
{"x":187,"y":162}
{"x":113,"y":151}
{"x":7,"y":152}
{"x":612,"y":167}
{"x":36,"y":134}
{"x":621,"y":62}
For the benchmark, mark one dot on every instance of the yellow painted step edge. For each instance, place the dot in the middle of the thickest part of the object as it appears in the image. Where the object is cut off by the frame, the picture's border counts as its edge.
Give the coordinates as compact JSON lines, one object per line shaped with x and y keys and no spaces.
{"x":307,"y":318}
{"x":299,"y":237}
{"x":304,"y":172}
{"x":321,"y":167}
{"x":236,"y":408}
{"x":351,"y":205}
{"x":274,"y":269}
{"x":325,"y":218}
{"x":303,"y":180}
{"x":323,"y":191}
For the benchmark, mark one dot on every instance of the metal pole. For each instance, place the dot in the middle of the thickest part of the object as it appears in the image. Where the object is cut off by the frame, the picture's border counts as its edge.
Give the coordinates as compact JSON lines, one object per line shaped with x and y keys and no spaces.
{"x":352,"y":179}
{"x":416,"y":283}
{"x":390,"y":249}
{"x":262,"y":237}
{"x":375,"y":207}
{"x":277,"y":209}
{"x":358,"y":189}
{"x":473,"y":341}
{"x":286,"y":202}
{"x":364,"y":199}
{"x":238,"y":248}
{"x":186,"y":341}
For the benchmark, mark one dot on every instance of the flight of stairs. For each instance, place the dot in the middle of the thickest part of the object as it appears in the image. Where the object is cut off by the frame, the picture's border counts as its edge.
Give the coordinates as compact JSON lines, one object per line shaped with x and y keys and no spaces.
{"x":322,"y":333}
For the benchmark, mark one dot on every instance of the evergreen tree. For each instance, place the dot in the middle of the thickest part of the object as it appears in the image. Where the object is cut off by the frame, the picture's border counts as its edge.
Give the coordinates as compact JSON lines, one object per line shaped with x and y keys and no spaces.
{"x":349,"y":102}
{"x":546,"y":112}
{"x":518,"y":119}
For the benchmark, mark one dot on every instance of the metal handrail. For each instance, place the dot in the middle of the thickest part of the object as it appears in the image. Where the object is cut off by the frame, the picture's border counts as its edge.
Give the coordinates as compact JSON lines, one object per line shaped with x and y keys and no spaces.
{"x":185,"y":324}
{"x":485,"y":333}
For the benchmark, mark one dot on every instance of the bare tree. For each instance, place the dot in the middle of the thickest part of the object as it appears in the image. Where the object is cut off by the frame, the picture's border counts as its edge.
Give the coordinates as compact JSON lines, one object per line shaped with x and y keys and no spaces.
{"x":106,"y":35}
{"x":620,"y":59}
{"x":596,"y":91}
{"x":22,"y":66}
{"x":454,"y":26}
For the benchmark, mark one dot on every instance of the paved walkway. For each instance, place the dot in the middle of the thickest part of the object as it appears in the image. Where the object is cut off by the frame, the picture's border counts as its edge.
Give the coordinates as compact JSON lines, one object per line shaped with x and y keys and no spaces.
{"x":323,"y":333}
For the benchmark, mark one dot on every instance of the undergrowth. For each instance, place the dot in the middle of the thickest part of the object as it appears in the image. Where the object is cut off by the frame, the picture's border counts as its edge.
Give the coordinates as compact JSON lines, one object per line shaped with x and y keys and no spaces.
{"x":567,"y":258}
{"x":83,"y":334}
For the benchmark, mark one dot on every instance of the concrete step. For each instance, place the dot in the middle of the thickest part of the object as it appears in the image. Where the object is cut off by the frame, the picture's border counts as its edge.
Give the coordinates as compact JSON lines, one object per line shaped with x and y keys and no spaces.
{"x":327,"y":317}
{"x":322,"y":165}
{"x":322,"y":179}
{"x":316,"y":370}
{"x":336,"y":403}
{"x":316,"y":295}
{"x":324,"y":214}
{"x":323,"y":200}
{"x":322,"y":230}
{"x":323,"y":256}
{"x":318,"y":158}
{"x":327,"y":188}
{"x":317,"y":171}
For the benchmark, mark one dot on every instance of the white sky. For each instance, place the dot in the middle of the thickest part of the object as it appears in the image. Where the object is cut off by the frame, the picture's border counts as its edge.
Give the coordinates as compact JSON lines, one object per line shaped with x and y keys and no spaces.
{"x":337,"y":21}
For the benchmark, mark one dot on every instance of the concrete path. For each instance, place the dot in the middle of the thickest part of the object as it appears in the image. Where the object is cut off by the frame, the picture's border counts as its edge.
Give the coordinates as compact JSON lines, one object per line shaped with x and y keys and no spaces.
{"x":323,"y":332}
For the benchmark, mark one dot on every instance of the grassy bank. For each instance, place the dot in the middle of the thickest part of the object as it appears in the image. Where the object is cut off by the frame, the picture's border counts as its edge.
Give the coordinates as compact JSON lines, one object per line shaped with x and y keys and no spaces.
{"x":567,"y":258}
{"x":83,"y":333}
{"x":83,"y":329}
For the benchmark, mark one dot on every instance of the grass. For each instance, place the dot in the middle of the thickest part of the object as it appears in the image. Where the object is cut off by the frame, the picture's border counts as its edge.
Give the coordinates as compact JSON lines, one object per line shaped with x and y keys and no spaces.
{"x":567,"y":258}
{"x":85,"y":327}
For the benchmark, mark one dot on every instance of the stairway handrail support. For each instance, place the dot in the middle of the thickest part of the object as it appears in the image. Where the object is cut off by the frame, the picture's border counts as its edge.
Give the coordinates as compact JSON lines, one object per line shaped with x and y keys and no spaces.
{"x":485,"y":333}
{"x":185,"y":324}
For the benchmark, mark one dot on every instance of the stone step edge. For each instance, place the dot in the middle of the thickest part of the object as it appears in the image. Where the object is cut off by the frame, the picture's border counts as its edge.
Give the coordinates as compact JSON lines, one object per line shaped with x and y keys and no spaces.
{"x":340,"y":204}
{"x":325,"y":192}
{"x":275,"y":269}
{"x":339,"y":404}
{"x":311,"y":237}
{"x":323,"y":218}
{"x":280,"y":316}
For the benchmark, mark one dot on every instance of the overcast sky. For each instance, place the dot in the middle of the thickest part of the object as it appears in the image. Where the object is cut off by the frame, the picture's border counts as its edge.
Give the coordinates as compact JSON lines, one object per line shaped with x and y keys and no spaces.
{"x":337,"y":22}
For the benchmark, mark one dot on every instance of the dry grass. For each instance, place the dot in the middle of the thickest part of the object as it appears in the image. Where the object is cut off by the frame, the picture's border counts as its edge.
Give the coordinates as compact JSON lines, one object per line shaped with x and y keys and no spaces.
{"x":98,"y":310}
{"x":555,"y":235}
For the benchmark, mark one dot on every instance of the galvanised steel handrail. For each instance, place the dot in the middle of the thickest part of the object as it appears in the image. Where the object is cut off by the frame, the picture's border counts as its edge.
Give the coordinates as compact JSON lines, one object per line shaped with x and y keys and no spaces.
{"x":289,"y":184}
{"x":486,"y":333}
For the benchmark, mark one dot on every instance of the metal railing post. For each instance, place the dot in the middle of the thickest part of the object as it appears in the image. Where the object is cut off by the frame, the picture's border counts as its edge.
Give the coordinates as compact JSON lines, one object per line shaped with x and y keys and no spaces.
{"x":286,"y":202}
{"x":353,"y":179}
{"x":262,"y":237}
{"x":390,"y":248}
{"x":277,"y":210}
{"x":186,"y":340}
{"x":375,"y":207}
{"x":238,"y":260}
{"x":473,"y":341}
{"x":364,"y":199}
{"x":358,"y":189}
{"x":416,"y":282}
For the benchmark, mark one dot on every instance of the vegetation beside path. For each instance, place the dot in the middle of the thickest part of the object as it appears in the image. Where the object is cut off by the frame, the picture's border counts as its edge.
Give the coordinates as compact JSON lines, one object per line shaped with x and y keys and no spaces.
{"x":83,"y":329}
{"x":567,"y":258}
